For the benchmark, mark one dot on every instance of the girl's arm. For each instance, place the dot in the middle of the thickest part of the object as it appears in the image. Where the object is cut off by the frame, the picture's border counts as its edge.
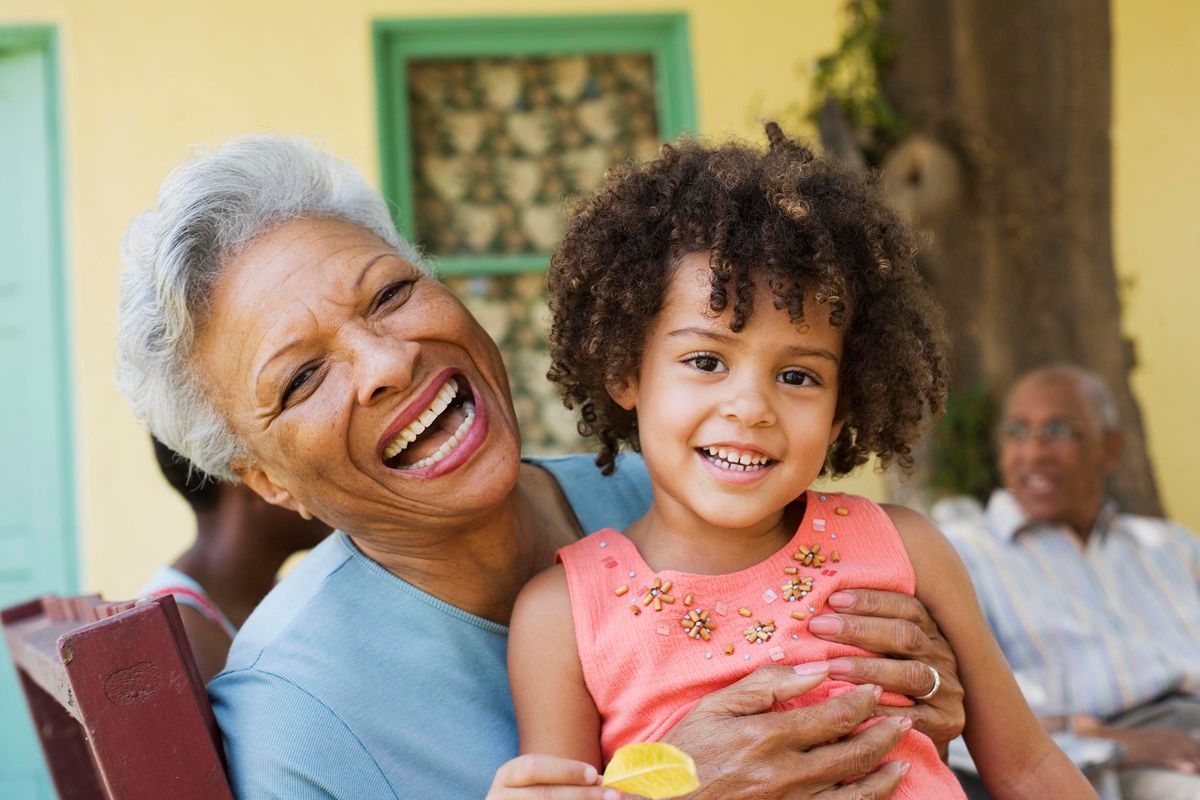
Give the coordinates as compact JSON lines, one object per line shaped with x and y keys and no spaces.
{"x":1015,"y":756}
{"x":555,"y":713}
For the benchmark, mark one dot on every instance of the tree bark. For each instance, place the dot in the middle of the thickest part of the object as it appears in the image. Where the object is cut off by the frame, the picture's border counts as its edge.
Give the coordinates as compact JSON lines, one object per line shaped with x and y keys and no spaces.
{"x":1009,"y":171}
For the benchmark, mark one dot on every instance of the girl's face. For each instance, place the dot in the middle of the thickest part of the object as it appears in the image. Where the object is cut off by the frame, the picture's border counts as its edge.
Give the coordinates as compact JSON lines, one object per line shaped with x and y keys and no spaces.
{"x":733,"y":426}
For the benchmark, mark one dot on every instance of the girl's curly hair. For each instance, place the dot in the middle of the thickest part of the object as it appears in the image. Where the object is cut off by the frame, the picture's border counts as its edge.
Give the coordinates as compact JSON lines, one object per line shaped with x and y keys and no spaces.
{"x":807,"y":226}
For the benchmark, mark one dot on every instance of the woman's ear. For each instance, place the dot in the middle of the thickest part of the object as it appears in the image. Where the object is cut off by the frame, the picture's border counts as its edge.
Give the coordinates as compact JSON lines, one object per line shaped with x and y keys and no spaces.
{"x":262,"y":485}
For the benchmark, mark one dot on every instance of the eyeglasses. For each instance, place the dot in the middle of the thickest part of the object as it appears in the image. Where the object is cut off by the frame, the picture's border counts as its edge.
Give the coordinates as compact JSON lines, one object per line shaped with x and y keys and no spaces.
{"x":1054,"y":431}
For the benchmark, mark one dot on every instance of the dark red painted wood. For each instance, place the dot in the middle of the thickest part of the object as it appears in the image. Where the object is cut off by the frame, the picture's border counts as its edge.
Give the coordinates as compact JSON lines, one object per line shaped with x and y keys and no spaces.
{"x":64,"y":745}
{"x":117,"y":698}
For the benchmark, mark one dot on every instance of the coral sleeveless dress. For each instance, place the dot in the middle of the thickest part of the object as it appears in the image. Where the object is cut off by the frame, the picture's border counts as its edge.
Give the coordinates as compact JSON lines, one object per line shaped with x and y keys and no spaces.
{"x":653,"y":643}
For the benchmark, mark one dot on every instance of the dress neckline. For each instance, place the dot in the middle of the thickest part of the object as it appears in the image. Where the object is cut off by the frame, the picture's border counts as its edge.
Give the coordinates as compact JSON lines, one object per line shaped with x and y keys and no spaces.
{"x":783,"y":552}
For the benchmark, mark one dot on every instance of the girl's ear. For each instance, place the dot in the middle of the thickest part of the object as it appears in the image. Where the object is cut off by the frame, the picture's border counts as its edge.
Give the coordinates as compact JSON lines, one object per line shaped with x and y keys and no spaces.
{"x":838,"y":423}
{"x":262,"y":485}
{"x":624,"y":393}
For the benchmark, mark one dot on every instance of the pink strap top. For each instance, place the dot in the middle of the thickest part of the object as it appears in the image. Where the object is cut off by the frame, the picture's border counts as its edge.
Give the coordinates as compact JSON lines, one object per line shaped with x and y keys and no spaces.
{"x":653,"y":643}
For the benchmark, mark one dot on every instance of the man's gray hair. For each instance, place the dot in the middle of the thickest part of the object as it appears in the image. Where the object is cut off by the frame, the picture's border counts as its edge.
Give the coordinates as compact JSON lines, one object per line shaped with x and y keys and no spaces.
{"x":1092,"y":388}
{"x":208,"y":210}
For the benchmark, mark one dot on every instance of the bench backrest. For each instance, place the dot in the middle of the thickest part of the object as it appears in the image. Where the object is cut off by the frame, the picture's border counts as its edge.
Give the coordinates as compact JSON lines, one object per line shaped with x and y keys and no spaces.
{"x":116,"y":699}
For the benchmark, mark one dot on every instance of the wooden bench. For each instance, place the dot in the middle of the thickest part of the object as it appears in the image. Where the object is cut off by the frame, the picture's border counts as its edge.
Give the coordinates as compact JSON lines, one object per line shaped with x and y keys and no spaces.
{"x":116,"y":699}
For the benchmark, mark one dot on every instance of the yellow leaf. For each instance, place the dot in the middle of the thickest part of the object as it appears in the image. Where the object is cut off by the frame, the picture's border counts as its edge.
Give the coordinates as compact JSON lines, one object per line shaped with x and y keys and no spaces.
{"x":653,"y":770}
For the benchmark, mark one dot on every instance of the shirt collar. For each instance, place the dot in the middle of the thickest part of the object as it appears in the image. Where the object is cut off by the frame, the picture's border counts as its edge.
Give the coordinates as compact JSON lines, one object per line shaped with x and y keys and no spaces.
{"x":1003,"y":515}
{"x":1005,"y":518}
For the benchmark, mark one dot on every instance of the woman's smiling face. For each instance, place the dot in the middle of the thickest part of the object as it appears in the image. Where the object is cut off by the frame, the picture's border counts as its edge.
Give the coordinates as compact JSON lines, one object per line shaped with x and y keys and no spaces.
{"x":365,"y":391}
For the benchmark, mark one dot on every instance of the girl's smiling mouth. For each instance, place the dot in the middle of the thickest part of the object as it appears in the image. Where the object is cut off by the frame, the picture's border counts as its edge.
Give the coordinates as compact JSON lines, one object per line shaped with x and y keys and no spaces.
{"x":735,"y":464}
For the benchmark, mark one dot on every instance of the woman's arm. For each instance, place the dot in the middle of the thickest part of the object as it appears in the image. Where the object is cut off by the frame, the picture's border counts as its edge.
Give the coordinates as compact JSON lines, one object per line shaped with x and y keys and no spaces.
{"x":1015,"y":756}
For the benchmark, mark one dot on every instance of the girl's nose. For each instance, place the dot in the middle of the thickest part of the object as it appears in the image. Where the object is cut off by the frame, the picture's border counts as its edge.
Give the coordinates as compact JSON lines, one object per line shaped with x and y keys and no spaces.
{"x":382,"y":366}
{"x":749,"y":407}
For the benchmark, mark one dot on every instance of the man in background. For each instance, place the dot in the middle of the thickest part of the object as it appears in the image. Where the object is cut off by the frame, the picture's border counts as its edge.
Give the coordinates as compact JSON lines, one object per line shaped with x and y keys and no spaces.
{"x":241,"y":542}
{"x":1098,"y":612}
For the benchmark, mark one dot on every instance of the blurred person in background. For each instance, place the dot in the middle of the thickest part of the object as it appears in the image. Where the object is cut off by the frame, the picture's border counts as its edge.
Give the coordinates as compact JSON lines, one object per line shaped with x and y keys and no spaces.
{"x":241,"y":542}
{"x":1098,"y":610}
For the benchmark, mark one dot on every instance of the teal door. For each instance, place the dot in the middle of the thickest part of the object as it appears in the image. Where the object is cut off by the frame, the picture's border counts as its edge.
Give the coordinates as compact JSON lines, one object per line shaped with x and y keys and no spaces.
{"x":37,"y":519}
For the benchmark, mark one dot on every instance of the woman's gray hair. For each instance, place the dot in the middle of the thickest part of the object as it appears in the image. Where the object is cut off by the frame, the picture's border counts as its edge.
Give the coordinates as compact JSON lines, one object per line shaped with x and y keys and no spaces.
{"x":208,"y":210}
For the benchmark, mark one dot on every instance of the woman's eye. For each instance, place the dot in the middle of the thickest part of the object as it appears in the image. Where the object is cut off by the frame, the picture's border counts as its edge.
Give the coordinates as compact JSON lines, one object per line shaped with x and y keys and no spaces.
{"x":390,"y":293}
{"x":297,"y":383}
{"x":705,"y":363}
{"x":796,"y":377}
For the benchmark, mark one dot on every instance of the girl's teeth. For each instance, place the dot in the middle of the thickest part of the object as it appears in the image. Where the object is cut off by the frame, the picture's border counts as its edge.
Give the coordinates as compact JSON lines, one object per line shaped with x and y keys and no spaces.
{"x":735,"y":460}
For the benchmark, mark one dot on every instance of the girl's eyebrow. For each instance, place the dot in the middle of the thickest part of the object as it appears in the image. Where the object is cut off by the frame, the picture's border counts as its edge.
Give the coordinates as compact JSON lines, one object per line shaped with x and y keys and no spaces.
{"x":705,"y":333}
{"x":728,"y":338}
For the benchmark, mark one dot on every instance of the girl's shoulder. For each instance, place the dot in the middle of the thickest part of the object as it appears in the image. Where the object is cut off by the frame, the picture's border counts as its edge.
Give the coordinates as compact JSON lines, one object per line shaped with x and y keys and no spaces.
{"x":940,"y":574}
{"x":594,"y":558}
{"x":918,"y":533}
{"x":545,"y":591}
{"x":914,"y":529}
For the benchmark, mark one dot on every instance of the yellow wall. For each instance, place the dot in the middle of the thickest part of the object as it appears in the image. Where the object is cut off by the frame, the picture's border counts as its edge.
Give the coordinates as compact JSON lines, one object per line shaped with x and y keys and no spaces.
{"x":143,"y":80}
{"x":1156,"y":192}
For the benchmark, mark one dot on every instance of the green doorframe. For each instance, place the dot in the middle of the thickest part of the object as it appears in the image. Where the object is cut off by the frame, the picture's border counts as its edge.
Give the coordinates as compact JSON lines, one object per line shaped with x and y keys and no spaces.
{"x":15,"y":39}
{"x":38,"y":520}
{"x":664,"y":36}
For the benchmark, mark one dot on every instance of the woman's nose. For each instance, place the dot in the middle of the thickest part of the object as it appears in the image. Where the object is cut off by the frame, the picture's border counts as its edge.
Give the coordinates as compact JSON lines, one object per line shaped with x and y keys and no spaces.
{"x":749,"y":407}
{"x":383,"y":366}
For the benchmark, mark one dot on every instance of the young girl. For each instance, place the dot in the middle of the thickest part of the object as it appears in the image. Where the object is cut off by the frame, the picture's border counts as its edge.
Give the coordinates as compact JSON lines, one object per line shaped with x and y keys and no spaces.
{"x":748,"y":321}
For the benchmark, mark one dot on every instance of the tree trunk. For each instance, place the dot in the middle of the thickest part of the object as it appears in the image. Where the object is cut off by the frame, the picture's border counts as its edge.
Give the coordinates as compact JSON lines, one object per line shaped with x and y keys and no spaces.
{"x":1009,"y":171}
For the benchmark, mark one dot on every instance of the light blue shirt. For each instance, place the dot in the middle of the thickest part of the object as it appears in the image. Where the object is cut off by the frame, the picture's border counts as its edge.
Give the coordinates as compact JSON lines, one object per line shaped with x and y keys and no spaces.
{"x":348,"y":682}
{"x":1100,"y":627}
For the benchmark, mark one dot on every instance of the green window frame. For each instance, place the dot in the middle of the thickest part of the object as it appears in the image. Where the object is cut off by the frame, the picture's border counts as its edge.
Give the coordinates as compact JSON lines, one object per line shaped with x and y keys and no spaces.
{"x":396,"y":42}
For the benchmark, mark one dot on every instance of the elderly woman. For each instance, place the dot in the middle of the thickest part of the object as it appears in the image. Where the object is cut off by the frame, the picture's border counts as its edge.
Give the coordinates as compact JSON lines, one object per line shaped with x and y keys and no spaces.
{"x":276,"y":330}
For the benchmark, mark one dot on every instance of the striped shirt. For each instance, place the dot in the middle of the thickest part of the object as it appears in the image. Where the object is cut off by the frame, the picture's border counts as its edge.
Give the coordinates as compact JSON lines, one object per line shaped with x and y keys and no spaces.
{"x":1113,"y":624}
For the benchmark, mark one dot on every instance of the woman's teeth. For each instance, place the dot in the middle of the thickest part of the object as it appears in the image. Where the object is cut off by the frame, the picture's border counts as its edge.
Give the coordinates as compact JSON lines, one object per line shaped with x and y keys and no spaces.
{"x":448,"y":445}
{"x":735,"y":460}
{"x":424,"y":420}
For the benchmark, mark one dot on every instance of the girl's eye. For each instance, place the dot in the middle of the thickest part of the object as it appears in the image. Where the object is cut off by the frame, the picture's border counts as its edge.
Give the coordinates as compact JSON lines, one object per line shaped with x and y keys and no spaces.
{"x":297,"y":383}
{"x":704,"y":362}
{"x":796,"y":377}
{"x":390,"y":293}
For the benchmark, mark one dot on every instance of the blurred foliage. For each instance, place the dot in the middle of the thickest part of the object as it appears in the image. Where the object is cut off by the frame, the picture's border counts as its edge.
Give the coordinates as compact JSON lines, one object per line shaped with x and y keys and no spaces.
{"x":963,"y":455}
{"x":849,"y":78}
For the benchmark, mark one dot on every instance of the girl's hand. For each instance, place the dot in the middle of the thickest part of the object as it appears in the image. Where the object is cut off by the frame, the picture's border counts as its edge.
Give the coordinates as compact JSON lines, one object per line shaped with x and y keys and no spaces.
{"x":744,"y":750}
{"x":897,"y":626}
{"x":538,"y":777}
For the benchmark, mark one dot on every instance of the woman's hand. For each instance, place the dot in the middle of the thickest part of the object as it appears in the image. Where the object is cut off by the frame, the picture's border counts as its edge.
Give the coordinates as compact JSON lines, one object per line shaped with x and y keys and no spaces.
{"x":897,"y":626}
{"x":538,"y":777}
{"x":744,"y":750}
